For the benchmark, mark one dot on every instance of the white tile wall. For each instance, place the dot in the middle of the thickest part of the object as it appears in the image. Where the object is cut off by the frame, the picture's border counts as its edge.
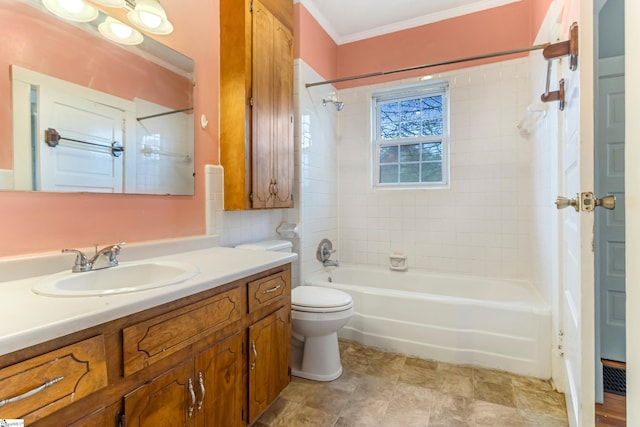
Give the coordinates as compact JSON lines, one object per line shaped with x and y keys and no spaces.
{"x":494,"y":220}
{"x":235,"y":227}
{"x":168,"y":168}
{"x":483,"y":223}
{"x":316,"y":168}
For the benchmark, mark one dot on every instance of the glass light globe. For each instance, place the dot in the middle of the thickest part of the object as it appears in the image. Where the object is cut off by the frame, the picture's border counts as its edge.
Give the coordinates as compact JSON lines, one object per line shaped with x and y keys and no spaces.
{"x":72,"y":6}
{"x":151,"y":20}
{"x":120,"y":30}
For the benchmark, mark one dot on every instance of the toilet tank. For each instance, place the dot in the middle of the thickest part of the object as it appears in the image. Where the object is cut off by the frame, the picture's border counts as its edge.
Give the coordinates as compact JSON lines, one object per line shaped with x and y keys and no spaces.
{"x":268,"y":245}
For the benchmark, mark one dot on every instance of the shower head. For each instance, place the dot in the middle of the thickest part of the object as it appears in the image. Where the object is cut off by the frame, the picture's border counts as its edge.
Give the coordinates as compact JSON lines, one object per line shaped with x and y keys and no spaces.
{"x":338,"y":104}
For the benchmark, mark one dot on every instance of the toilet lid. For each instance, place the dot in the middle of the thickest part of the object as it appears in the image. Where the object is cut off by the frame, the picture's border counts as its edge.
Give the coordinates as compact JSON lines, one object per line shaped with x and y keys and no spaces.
{"x":319,"y":297}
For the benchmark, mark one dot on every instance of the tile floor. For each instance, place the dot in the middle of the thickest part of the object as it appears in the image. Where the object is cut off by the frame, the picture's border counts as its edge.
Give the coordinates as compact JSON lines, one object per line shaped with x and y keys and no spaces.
{"x":385,"y":389}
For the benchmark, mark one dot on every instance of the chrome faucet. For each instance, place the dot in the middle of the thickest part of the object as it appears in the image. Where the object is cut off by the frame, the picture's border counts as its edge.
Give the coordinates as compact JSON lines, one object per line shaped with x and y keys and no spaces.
{"x":331,"y":263}
{"x":104,"y":258}
{"x":325,"y":249}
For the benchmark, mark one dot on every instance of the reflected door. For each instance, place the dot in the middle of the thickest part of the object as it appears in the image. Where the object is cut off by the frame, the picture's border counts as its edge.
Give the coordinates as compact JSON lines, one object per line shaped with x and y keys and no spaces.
{"x":86,"y":164}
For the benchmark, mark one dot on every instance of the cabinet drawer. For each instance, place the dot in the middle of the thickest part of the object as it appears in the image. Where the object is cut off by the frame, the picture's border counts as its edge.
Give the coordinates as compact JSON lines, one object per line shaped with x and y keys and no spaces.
{"x":147,"y":342}
{"x":268,"y":290}
{"x":44,"y":384}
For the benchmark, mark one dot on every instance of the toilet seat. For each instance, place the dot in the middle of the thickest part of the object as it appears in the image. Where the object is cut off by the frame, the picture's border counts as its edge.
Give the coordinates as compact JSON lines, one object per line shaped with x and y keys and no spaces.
{"x":318,"y":299}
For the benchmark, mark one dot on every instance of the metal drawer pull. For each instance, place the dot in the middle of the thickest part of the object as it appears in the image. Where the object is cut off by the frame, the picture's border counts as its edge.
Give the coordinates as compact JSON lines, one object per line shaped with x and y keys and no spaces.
{"x":31,"y":392}
{"x":268,"y":291}
{"x":255,"y":355}
{"x":201,"y":382}
{"x":193,"y":398}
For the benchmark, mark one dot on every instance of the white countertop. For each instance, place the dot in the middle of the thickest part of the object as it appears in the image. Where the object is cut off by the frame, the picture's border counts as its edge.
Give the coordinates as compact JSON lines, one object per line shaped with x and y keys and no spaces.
{"x":28,"y":318}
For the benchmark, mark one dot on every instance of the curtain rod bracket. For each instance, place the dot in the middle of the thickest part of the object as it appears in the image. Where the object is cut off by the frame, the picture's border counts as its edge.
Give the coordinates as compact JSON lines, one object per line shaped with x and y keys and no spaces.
{"x":568,"y":47}
{"x":556,"y":95}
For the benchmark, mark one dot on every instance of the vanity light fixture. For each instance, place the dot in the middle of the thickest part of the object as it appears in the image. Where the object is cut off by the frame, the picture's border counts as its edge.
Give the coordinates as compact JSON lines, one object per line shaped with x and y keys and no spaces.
{"x":118,"y":32}
{"x":72,"y":10}
{"x":149,"y":16}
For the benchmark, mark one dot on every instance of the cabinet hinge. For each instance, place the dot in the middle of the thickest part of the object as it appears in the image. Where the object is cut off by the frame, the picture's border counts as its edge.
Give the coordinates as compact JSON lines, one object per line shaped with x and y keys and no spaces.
{"x":251,"y":197}
{"x":121,"y":420}
{"x":251,"y":101}
{"x":251,"y":6}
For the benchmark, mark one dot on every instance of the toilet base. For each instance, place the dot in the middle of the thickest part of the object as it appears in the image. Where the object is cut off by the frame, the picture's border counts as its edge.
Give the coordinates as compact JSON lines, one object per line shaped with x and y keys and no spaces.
{"x":317,"y":358}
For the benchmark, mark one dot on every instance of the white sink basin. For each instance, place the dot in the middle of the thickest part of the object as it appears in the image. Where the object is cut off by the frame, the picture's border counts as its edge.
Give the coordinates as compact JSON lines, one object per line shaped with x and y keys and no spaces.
{"x":124,"y":278}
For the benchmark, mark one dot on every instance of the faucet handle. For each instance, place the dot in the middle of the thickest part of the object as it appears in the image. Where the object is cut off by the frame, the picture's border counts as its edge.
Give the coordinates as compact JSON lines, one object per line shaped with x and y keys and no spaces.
{"x":81,"y":263}
{"x":113,"y":250}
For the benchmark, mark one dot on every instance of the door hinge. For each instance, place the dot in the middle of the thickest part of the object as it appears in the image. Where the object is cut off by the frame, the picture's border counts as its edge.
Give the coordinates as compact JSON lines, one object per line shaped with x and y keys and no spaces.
{"x":251,"y":197}
{"x":251,"y":101}
{"x":251,"y":6}
{"x":560,"y":343}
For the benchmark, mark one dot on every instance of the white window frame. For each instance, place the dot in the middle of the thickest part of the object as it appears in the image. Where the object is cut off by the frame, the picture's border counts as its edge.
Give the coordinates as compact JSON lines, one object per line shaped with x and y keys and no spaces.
{"x":410,"y":92}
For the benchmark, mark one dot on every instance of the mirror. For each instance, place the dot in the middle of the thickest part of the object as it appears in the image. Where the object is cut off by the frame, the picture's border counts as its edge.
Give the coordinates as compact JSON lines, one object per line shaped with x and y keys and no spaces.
{"x":89,"y":115}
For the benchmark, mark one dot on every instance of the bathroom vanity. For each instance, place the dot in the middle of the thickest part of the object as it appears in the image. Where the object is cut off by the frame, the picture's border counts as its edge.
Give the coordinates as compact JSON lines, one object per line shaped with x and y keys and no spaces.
{"x":212,"y":351}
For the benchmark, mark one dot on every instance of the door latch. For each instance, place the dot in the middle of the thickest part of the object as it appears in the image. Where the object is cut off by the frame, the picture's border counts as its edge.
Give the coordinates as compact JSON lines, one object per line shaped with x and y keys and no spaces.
{"x":586,"y":202}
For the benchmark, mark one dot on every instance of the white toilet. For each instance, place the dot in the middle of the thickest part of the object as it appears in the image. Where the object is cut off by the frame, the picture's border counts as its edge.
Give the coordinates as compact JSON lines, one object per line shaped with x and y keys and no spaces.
{"x":317,"y":314}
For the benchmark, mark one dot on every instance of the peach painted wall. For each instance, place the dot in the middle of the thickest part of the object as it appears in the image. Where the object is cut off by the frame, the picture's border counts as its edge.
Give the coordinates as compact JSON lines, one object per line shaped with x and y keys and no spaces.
{"x":539,"y":9}
{"x":36,"y":222}
{"x":39,"y":42}
{"x":501,"y":28}
{"x":313,"y":44}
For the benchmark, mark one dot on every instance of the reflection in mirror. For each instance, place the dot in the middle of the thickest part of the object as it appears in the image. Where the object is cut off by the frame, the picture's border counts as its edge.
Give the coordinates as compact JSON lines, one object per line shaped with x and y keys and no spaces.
{"x":86,"y":114}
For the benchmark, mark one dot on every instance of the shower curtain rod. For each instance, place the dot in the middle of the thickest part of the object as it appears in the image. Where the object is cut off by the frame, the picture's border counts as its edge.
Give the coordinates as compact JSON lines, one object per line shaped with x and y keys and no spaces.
{"x":435,"y":64}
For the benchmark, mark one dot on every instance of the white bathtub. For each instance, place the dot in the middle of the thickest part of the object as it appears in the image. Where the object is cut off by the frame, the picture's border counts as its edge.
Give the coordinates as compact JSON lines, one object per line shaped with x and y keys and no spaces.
{"x":492,"y":323}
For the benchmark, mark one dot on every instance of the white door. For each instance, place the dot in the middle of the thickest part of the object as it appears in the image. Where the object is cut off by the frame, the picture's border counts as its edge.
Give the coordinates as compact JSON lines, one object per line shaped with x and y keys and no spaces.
{"x":632,"y":199}
{"x":83,"y":159}
{"x":576,"y":228}
{"x":609,"y":248}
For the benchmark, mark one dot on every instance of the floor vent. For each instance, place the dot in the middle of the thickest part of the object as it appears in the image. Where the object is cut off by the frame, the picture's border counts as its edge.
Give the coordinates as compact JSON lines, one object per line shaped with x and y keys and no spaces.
{"x":615,"y":380}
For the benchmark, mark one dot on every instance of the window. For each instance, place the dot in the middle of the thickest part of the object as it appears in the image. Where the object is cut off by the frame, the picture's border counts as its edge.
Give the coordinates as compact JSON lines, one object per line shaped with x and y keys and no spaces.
{"x":410,"y":146}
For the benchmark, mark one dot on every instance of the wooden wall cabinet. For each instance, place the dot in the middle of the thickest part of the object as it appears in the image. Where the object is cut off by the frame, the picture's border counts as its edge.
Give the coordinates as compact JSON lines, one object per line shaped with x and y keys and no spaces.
{"x":214,"y":359}
{"x":256,"y":103}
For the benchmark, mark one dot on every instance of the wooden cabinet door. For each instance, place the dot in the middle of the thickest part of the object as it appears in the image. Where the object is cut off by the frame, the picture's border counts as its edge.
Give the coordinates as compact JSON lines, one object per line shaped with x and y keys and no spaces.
{"x":105,"y":417}
{"x":272,"y":115}
{"x":282,"y":154}
{"x":262,"y":110}
{"x":269,"y":359}
{"x":169,"y":400}
{"x":219,"y":373}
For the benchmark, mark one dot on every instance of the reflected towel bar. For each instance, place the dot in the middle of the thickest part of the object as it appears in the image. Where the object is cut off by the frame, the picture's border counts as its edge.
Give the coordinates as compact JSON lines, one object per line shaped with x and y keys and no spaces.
{"x":52,"y":138}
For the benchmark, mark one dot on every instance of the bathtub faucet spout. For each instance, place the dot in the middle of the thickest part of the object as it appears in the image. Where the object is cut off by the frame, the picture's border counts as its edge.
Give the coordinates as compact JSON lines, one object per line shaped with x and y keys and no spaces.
{"x":331,"y":263}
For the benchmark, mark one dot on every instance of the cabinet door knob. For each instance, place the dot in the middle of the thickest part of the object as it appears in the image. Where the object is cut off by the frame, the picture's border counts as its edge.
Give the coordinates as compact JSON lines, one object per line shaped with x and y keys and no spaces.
{"x":201,"y":382}
{"x":193,"y":398}
{"x":255,"y":354}
{"x":33,"y":391}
